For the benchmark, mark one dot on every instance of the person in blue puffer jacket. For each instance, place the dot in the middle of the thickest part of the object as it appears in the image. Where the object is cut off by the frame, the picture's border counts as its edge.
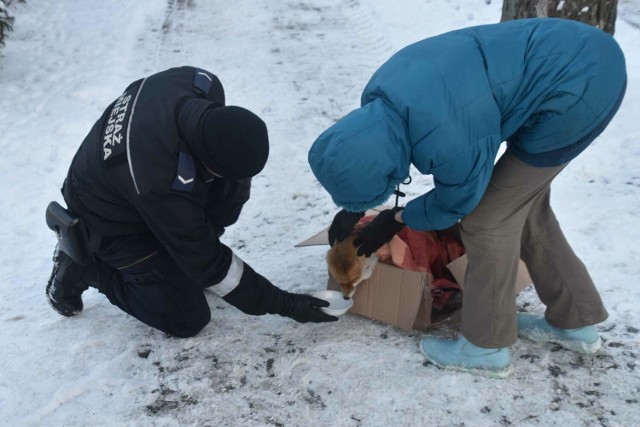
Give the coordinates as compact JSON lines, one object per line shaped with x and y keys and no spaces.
{"x":548,"y":87}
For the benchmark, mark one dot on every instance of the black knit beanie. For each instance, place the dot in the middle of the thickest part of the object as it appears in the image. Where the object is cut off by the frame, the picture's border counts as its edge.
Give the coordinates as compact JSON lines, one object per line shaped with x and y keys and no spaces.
{"x":233,"y":142}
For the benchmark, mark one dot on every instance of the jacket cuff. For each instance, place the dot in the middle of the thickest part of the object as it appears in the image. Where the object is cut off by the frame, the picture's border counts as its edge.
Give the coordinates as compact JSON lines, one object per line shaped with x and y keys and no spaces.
{"x":232,"y":279}
{"x":255,"y":295}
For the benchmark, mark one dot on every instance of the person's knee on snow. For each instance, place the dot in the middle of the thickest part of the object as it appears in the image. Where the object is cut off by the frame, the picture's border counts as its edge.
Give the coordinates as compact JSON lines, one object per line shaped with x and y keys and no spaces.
{"x":187,"y":323}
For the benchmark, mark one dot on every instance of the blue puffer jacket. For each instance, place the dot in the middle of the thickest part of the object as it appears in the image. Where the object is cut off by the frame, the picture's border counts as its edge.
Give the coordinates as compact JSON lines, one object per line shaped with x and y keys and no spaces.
{"x":446,"y":103}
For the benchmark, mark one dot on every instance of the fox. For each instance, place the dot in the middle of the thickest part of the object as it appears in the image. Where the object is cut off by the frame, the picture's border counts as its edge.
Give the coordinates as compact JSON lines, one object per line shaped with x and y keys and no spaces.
{"x":348,"y":268}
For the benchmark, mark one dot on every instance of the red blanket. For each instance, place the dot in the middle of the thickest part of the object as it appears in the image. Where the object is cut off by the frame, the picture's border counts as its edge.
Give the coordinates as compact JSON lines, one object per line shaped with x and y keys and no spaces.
{"x":426,"y":252}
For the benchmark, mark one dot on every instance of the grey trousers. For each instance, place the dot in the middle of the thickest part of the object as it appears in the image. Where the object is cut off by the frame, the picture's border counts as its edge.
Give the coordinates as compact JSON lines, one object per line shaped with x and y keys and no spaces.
{"x":514,"y":220}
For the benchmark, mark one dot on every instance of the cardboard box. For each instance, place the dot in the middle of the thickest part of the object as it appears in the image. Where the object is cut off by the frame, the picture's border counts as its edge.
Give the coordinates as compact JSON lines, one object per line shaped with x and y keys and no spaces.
{"x":401,"y":297}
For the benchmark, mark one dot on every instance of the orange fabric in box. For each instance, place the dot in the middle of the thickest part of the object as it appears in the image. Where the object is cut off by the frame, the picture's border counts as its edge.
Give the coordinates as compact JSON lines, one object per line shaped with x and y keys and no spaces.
{"x":424,"y":252}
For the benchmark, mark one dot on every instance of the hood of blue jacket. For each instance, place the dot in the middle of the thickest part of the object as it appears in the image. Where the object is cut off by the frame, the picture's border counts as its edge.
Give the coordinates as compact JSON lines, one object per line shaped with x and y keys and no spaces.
{"x":361,"y":158}
{"x":444,"y":105}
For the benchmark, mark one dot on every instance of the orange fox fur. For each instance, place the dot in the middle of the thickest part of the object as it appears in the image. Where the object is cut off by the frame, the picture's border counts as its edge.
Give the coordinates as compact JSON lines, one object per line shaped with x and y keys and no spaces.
{"x":347,"y":268}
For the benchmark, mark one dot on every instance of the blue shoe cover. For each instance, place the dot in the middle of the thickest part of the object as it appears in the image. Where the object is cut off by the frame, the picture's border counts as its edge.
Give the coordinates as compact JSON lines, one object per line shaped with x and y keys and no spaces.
{"x":461,"y":355}
{"x":584,"y":340}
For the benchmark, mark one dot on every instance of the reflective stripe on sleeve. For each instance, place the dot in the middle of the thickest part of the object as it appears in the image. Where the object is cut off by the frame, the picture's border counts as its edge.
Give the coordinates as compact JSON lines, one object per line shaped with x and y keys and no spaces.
{"x":231,"y":280}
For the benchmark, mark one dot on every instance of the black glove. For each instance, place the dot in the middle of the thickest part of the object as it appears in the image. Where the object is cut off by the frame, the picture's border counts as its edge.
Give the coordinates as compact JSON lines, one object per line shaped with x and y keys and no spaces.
{"x":380,"y":231}
{"x":256,"y":295}
{"x":342,"y":225}
{"x":305,"y":308}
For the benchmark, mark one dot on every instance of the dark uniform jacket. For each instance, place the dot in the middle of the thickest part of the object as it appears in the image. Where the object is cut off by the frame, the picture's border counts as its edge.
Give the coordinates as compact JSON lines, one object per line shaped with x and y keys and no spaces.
{"x":134,"y":173}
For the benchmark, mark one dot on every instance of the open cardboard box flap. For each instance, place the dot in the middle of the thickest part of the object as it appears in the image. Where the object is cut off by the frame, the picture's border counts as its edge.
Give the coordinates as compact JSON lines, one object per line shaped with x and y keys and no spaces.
{"x":402,"y":297}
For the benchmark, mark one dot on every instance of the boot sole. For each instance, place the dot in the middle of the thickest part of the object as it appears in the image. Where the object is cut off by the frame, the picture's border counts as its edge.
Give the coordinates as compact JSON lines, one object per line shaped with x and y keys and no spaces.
{"x":65,"y":313}
{"x":487,"y":373}
{"x":575,"y":346}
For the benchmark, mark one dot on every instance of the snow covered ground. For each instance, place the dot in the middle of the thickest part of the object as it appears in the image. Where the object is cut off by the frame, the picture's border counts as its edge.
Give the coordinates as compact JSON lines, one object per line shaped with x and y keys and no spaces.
{"x":300,"y":64}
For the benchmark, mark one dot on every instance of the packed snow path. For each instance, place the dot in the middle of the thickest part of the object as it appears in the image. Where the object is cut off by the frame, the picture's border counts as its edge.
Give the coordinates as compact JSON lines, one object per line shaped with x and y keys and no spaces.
{"x":300,"y":65}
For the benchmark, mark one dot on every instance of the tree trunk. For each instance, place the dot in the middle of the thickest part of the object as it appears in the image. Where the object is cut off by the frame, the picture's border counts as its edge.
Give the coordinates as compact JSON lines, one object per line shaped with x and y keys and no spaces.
{"x":599,"y":13}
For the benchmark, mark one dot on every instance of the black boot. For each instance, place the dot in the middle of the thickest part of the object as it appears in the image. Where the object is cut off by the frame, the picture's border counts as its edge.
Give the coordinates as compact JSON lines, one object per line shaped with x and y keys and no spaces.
{"x":66,"y":285}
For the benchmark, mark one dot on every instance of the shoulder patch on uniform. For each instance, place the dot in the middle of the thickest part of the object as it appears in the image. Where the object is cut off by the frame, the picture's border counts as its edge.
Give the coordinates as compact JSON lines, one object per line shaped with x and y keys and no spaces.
{"x":186,"y":175}
{"x":202,"y":82}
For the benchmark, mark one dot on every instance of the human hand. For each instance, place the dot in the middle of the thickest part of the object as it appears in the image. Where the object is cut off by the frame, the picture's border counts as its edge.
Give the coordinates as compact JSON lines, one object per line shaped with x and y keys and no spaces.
{"x":342,"y":225}
{"x":256,"y":295}
{"x":305,"y":308}
{"x":379,"y":231}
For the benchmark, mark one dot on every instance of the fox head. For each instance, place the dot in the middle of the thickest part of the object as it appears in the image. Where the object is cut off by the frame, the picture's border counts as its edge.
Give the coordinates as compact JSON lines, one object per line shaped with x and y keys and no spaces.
{"x":347,"y":268}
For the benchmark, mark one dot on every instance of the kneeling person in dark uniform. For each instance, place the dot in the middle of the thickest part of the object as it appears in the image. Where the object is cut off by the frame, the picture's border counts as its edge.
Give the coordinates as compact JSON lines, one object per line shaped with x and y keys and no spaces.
{"x":161,"y":174}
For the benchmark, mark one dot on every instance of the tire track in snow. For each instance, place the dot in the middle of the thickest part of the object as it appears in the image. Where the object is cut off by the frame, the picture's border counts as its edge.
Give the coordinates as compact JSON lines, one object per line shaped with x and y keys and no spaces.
{"x":162,"y":35}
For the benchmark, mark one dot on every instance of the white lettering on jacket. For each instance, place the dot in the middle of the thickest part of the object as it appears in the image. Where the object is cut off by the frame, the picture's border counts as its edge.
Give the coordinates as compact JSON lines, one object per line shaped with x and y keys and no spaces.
{"x":113,"y":131}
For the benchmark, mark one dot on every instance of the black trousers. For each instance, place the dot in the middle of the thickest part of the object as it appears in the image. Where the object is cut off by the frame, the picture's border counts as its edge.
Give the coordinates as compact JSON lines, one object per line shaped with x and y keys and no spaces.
{"x":138,"y":275}
{"x":141,"y":278}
